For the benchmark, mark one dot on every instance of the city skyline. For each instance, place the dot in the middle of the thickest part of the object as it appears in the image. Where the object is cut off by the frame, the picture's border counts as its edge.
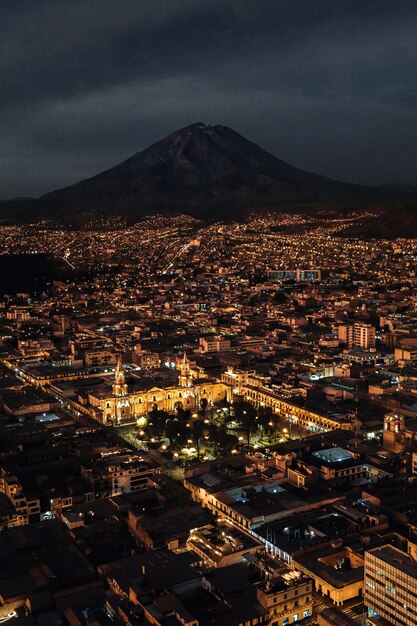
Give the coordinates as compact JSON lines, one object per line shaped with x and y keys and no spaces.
{"x":208,"y":350}
{"x":327,"y":86}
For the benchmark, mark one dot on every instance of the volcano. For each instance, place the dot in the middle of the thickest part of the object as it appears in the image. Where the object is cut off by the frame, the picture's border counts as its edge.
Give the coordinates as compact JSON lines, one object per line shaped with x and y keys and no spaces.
{"x":202,"y":170}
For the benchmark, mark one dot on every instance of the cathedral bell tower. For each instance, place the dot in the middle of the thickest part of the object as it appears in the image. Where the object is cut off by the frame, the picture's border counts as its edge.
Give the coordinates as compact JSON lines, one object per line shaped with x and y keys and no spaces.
{"x":119,"y":385}
{"x":120,"y":392}
{"x":185,"y":378}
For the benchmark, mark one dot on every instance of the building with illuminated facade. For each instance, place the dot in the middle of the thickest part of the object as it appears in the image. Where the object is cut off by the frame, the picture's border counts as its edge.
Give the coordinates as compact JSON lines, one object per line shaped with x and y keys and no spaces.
{"x":118,"y":405}
{"x":391,"y":586}
{"x":251,"y":387}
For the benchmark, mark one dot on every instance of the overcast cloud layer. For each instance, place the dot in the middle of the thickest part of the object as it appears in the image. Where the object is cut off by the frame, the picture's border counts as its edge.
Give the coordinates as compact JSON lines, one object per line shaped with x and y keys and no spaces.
{"x":327,"y":85}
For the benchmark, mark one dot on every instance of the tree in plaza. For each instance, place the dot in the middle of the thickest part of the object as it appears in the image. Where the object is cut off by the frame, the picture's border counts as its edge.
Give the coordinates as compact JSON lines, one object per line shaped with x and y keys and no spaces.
{"x":176,"y":431}
{"x":265,"y":415}
{"x":221,"y":438}
{"x":197,"y":431}
{"x":268,"y":419}
{"x":246,"y":415}
{"x":203,"y":406}
{"x":157,"y":420}
{"x":184,"y":415}
{"x":225,"y":404}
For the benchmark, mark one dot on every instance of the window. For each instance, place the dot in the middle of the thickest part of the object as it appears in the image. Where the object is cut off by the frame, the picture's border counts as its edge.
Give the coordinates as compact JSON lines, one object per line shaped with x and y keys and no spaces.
{"x":295,"y":618}
{"x":285,"y":621}
{"x":306,"y":613}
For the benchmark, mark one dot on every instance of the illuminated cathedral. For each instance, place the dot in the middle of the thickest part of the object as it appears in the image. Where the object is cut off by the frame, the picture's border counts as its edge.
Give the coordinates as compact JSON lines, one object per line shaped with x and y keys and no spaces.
{"x":119,"y":406}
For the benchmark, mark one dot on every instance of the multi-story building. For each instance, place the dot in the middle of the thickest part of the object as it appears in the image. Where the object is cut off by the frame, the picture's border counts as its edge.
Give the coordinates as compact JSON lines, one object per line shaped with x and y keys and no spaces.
{"x":299,"y":275}
{"x":15,"y":508}
{"x":405,"y":356}
{"x":251,"y":501}
{"x":214,"y":344}
{"x":335,"y":567}
{"x":113,"y":475}
{"x":252,"y":389}
{"x":221,"y":544}
{"x":358,"y":335}
{"x":345,"y":334}
{"x":100,"y":357}
{"x":391,"y":586}
{"x":363,"y":335}
{"x":288,"y":597}
{"x":145,"y":359}
{"x":393,"y":434}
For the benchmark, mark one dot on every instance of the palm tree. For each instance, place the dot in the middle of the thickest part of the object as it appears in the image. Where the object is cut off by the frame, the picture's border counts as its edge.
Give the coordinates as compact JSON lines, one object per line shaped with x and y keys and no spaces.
{"x":246,"y":415}
{"x":197,"y":433}
{"x":268,"y":419}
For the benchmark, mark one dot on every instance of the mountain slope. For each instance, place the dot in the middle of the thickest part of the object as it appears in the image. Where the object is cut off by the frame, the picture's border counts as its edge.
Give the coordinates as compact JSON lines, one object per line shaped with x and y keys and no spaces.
{"x":202,"y":170}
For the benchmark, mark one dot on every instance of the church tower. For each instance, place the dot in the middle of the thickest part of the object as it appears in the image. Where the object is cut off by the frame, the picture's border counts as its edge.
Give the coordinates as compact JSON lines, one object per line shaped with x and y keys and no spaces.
{"x":394,"y":425}
{"x":185,"y":378}
{"x":122,"y":407}
{"x":119,"y":385}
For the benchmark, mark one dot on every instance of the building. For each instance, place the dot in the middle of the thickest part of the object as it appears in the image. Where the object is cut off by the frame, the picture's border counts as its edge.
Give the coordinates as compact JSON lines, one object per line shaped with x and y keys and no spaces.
{"x":146,"y":359}
{"x":391,"y":586}
{"x":99,"y":357}
{"x":345,"y":334}
{"x":363,"y":336}
{"x":288,"y":597}
{"x":16,"y":509}
{"x":299,"y":275}
{"x":111,"y":475}
{"x":394,"y":425}
{"x":220,"y":544}
{"x":214,"y":344}
{"x":343,"y":465}
{"x":252,"y":501}
{"x":358,"y":335}
{"x":118,"y":405}
{"x":405,"y":356}
{"x":252,"y":388}
{"x":337,"y":569}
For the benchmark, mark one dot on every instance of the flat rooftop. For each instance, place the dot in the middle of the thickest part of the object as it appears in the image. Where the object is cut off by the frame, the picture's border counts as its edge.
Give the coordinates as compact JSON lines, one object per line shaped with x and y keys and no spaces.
{"x":333,"y":455}
{"x":395,"y":558}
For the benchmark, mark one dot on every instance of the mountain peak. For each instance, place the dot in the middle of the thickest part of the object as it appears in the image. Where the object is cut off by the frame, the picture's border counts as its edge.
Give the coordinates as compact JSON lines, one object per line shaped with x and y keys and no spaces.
{"x":205,"y":170}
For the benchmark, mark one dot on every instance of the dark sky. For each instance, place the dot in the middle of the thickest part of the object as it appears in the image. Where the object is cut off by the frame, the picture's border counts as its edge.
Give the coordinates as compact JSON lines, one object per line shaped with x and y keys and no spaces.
{"x":329,"y":86}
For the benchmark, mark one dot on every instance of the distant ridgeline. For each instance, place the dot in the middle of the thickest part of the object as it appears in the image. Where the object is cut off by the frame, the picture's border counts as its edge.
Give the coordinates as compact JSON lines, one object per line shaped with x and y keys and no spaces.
{"x":30,"y":273}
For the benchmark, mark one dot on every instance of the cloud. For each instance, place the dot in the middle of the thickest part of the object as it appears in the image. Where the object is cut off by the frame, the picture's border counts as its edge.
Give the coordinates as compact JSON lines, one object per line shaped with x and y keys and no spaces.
{"x":326,"y":84}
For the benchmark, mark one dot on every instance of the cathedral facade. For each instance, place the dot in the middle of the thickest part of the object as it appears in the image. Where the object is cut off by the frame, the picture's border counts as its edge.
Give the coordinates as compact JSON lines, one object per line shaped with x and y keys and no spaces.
{"x":120,"y":406}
